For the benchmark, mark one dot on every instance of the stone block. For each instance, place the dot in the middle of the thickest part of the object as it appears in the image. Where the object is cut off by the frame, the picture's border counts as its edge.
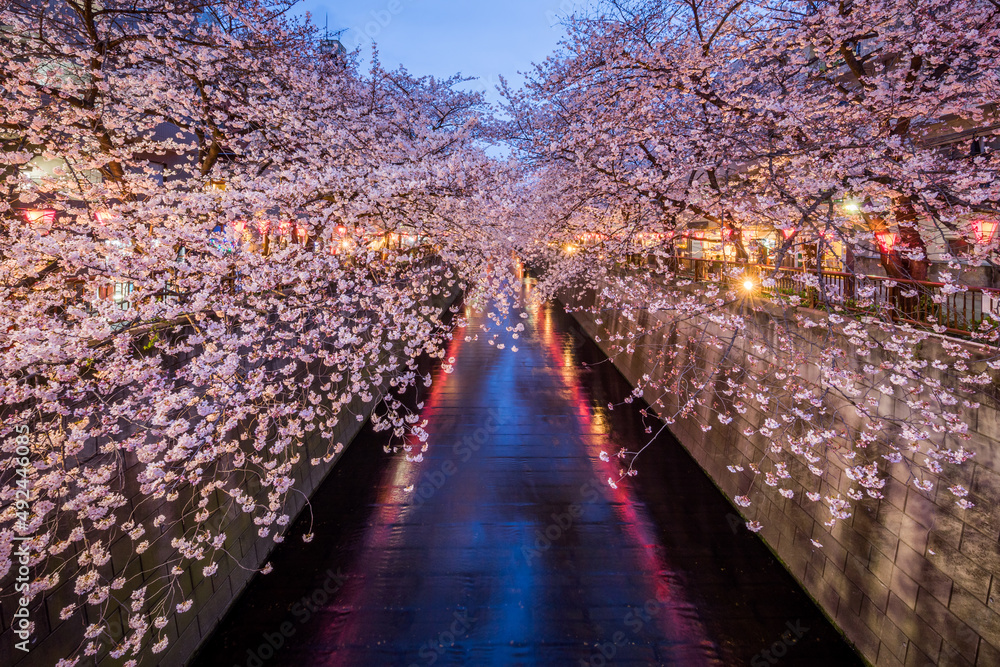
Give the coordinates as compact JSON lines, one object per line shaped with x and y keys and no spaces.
{"x":917,"y":629}
{"x":886,"y":658}
{"x":213,"y":611}
{"x":913,"y":533}
{"x":863,"y":578}
{"x":961,"y":569}
{"x":973,"y":613}
{"x":920,"y":508}
{"x":881,"y":566}
{"x":924,"y":573}
{"x":865,"y":641}
{"x":986,"y":484}
{"x":894,"y":640}
{"x":848,"y":591}
{"x":948,"y":623}
{"x":904,"y":586}
{"x":954,"y":657}
{"x":988,"y":656}
{"x":894,"y":493}
{"x":981,"y":549}
{"x":915,"y":657}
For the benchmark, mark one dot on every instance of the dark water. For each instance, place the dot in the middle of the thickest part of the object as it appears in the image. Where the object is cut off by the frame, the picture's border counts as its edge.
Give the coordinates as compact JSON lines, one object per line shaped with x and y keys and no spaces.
{"x":513,"y":550}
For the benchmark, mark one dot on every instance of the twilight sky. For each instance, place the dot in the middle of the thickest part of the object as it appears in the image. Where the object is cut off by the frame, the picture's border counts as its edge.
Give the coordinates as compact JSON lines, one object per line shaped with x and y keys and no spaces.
{"x":482,"y":38}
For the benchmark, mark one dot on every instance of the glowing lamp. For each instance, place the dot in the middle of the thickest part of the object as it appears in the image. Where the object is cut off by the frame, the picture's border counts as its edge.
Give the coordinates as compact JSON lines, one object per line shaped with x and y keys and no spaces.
{"x":102,"y":216}
{"x":886,"y":241}
{"x":788,"y":233}
{"x":727,"y":233}
{"x":985,"y":230}
{"x":852,"y":207}
{"x":748,"y":285}
{"x":37,"y":216}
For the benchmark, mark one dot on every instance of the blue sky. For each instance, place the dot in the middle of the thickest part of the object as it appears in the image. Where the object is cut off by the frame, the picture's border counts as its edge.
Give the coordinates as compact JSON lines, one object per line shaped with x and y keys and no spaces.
{"x":481,"y":38}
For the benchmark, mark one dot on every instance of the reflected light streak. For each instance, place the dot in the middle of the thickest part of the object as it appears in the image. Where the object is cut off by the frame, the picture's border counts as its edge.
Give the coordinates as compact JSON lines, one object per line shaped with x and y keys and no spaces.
{"x":633,"y":519}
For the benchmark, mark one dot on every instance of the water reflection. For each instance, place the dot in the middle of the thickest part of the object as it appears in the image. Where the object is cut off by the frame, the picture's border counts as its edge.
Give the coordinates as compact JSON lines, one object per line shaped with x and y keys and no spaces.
{"x":512,"y":549}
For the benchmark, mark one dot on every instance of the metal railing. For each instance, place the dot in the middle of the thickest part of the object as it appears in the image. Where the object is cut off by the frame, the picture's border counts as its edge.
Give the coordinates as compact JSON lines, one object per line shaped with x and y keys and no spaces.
{"x":957,"y":308}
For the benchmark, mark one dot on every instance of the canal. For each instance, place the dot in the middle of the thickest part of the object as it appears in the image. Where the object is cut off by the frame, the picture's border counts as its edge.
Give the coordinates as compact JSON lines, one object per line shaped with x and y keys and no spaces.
{"x":512,"y":549}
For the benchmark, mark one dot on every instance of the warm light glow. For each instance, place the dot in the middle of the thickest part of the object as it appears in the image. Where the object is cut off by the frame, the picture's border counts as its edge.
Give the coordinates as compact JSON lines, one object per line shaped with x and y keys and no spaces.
{"x":36,"y":216}
{"x":570,"y":248}
{"x":985,"y":230}
{"x":788,"y":233}
{"x":886,"y":241}
{"x":852,"y":206}
{"x":102,"y":216}
{"x":748,"y":285}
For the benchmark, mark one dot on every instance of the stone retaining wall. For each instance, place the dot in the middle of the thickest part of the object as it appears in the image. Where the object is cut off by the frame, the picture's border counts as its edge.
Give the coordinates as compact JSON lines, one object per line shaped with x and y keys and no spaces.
{"x":54,"y":639}
{"x":910,"y":579}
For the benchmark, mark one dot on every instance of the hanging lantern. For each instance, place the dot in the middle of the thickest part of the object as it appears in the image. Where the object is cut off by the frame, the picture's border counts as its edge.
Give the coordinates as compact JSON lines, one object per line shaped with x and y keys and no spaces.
{"x":788,"y":232}
{"x":37,"y":216}
{"x":102,"y":216}
{"x":886,"y":241}
{"x":985,"y":231}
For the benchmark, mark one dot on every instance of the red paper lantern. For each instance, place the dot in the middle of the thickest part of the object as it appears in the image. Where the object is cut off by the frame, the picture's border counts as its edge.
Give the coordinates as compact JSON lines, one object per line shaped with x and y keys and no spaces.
{"x":37,"y":216}
{"x":788,"y":233}
{"x":985,"y":230}
{"x":886,"y":241}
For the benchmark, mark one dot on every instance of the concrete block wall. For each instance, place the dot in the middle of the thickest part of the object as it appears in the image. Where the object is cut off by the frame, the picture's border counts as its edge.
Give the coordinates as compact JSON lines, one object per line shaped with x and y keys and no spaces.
{"x":54,"y":639}
{"x":910,"y":579}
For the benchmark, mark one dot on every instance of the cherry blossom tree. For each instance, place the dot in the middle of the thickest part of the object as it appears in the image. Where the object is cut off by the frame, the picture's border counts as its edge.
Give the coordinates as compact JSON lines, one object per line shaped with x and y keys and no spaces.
{"x":280,"y":231}
{"x":828,"y":122}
